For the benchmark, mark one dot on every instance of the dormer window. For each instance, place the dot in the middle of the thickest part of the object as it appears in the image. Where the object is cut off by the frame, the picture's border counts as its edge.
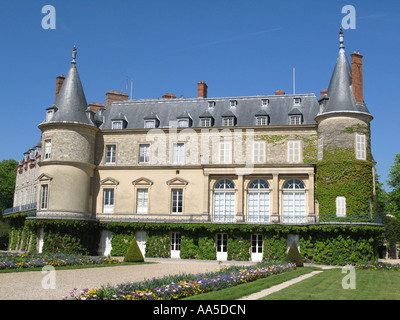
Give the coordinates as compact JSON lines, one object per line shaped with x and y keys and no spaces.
{"x":49,"y":114}
{"x":264,"y":102}
{"x":183,"y":123}
{"x":149,"y":124}
{"x":206,"y":122}
{"x":228,"y":121}
{"x":117,"y":125}
{"x":211,"y":104}
{"x":233,"y":103}
{"x":296,"y":101}
{"x":295,"y":119}
{"x":262,"y":121}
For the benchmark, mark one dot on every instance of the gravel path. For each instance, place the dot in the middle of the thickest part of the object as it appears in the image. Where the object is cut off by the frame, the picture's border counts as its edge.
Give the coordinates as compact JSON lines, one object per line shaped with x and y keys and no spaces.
{"x":28,"y":285}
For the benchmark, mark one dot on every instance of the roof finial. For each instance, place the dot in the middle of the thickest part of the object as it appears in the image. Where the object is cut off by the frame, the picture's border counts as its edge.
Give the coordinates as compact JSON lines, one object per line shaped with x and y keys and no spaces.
{"x":74,"y":55}
{"x":341,"y":39}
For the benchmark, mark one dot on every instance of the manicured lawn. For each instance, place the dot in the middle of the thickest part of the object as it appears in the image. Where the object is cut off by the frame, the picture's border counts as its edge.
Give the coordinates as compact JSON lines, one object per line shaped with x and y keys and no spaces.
{"x":251,"y":287}
{"x":370,"y":285}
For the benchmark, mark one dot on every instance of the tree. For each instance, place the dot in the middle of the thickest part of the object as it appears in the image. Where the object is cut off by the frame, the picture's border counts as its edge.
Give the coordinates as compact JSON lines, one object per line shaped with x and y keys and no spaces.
{"x":394,"y":183}
{"x":133,"y":254}
{"x":8,"y":170}
{"x":293,"y":255}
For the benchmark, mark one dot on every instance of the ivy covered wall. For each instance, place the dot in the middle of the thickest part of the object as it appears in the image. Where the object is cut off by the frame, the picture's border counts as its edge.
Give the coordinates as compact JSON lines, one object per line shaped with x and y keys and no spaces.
{"x":321,"y":244}
{"x":339,"y":173}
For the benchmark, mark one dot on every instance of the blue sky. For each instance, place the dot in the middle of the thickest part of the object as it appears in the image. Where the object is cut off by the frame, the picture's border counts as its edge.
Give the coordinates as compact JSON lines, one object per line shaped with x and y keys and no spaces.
{"x":239,"y":48}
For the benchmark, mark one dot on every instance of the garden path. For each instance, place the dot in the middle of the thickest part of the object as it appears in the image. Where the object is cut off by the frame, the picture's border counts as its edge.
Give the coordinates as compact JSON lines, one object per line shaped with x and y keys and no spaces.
{"x":28,"y":285}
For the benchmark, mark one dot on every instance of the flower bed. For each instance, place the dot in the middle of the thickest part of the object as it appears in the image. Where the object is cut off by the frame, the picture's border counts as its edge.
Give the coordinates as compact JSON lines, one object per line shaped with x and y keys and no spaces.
{"x":180,"y":286}
{"x":378,"y":266}
{"x":24,"y":260}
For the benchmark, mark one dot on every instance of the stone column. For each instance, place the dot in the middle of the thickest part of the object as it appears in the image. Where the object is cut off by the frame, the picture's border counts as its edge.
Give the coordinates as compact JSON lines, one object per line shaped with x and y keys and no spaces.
{"x":206,"y":195}
{"x":310,"y":200}
{"x":240,"y":197}
{"x":275,"y":199}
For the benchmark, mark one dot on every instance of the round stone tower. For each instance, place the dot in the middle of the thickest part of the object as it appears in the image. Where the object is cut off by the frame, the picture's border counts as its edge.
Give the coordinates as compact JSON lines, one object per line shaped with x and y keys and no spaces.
{"x":345,"y":167}
{"x":67,"y":165}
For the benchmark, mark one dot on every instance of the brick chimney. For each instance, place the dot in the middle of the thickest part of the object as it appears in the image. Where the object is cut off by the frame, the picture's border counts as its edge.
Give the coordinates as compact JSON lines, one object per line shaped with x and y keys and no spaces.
{"x":59,"y":83}
{"x":357,"y":75}
{"x":323,"y":92}
{"x":112,"y":96}
{"x":280,"y":93}
{"x":202,"y":90}
{"x":168,"y":96}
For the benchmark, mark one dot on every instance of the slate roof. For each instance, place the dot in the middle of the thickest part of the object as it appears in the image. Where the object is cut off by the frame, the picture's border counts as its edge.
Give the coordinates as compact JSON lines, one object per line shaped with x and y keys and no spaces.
{"x":70,"y":104}
{"x":168,"y":110}
{"x":340,"y":91}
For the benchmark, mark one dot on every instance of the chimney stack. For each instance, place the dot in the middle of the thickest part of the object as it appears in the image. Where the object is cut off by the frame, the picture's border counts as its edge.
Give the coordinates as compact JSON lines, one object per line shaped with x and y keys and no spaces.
{"x":59,"y":83}
{"x":357,"y":75}
{"x":280,"y":93}
{"x":323,"y":92}
{"x":112,"y":96}
{"x":168,"y":96}
{"x":202,"y":90}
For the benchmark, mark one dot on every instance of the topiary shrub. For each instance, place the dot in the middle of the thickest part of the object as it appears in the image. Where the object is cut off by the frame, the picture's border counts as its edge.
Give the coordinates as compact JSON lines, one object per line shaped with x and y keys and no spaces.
{"x":133,"y":254}
{"x":293,"y":255}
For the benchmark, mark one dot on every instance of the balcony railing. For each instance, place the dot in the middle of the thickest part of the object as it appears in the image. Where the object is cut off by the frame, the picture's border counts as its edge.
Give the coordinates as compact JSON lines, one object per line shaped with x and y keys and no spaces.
{"x":22,"y":208}
{"x":332,"y":218}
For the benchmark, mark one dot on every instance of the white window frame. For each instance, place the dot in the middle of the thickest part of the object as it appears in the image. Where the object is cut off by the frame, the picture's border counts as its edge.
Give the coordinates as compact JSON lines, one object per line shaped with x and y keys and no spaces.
{"x":340,"y":206}
{"x":294,"y":151}
{"x":295,"y":119}
{"x":262,"y":121}
{"x":149,"y":124}
{"x":117,"y":125}
{"x":228,"y":121}
{"x":225,"y":152}
{"x":320,"y":149}
{"x":44,"y":197}
{"x":178,"y":153}
{"x":221,"y":246}
{"x":361,"y":153}
{"x":183,"y":123}
{"x":205,"y":122}
{"x":294,"y":202}
{"x":144,"y":153}
{"x":47,"y":149}
{"x":176,"y":241}
{"x":177,"y":201}
{"x":259,"y":152}
{"x":224,"y":201}
{"x":258,"y":201}
{"x":296,"y":101}
{"x":111,"y":152}
{"x":108,"y":200}
{"x":142,"y":200}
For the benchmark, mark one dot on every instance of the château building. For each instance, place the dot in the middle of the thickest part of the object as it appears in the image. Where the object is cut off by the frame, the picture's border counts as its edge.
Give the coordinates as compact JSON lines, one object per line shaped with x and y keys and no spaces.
{"x":216,"y":163}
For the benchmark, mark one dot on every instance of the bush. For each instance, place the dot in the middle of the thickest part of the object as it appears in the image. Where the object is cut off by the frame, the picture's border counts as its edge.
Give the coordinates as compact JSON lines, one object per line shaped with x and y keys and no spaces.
{"x":293,"y":256}
{"x":133,"y":254}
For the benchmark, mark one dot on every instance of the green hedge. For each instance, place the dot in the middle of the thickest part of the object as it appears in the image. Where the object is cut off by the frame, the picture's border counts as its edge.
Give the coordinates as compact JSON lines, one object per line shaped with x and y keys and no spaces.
{"x":322,"y":244}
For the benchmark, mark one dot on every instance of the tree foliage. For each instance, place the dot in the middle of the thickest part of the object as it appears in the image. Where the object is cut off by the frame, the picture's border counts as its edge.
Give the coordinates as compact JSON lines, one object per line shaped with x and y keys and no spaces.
{"x":8,"y":170}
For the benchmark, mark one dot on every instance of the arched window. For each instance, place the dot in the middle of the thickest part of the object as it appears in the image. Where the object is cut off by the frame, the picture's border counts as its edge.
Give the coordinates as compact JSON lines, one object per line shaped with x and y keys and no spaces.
{"x":294,"y":202}
{"x":258,"y":208}
{"x":224,"y":201}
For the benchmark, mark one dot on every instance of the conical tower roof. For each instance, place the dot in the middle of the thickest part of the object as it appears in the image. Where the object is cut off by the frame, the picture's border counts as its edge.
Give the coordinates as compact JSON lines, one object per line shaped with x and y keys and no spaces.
{"x":340,"y":91}
{"x":71,"y":101}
